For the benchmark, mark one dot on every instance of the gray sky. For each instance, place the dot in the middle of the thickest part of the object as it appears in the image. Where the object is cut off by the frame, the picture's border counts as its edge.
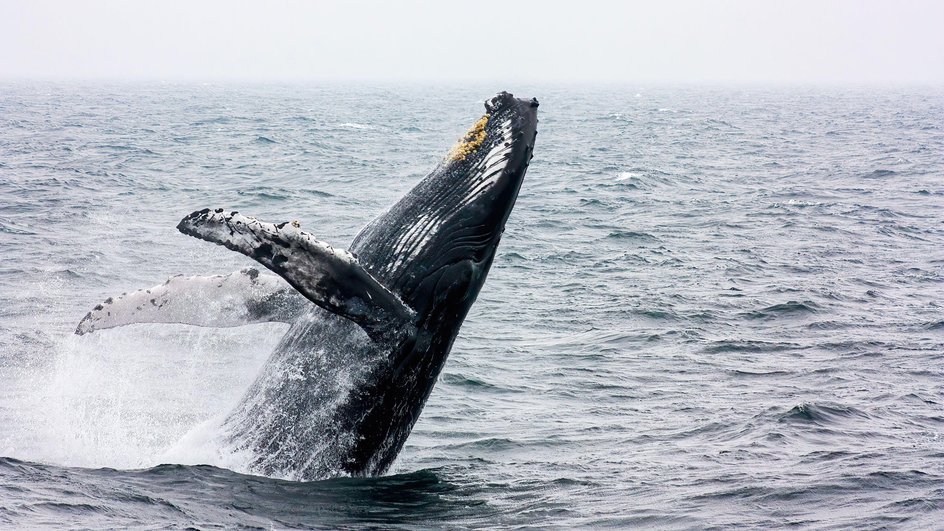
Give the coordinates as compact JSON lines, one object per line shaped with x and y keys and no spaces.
{"x":584,"y":41}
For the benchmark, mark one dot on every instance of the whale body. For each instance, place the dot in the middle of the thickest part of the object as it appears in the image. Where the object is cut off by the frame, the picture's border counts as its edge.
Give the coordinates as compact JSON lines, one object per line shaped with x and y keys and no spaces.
{"x":370,"y":326}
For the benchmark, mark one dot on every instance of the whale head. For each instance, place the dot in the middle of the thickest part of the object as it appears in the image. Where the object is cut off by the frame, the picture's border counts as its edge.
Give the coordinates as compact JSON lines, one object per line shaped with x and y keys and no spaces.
{"x":445,"y":231}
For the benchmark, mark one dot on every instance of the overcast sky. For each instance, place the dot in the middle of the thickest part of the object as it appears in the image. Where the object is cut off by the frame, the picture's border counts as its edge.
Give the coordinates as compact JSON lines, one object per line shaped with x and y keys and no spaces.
{"x":584,"y":41}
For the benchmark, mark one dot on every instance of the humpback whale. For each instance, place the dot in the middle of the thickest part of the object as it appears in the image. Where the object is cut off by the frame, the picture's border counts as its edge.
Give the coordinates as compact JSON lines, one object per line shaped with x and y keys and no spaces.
{"x":370,"y":326}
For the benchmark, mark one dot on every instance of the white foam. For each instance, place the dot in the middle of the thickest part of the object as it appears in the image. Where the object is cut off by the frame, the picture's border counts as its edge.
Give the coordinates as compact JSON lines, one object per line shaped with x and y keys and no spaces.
{"x":124,"y":398}
{"x":624,"y":175}
{"x":353,"y":125}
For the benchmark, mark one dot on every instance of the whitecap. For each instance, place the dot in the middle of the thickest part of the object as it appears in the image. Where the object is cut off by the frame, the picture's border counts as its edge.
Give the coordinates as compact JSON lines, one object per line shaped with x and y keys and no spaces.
{"x":355,"y":125}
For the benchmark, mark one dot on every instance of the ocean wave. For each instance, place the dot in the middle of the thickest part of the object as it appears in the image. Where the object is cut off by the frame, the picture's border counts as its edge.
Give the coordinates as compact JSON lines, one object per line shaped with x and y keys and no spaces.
{"x":786,"y":309}
{"x":632,"y":235}
{"x":880,"y":173}
{"x":352,"y":125}
{"x":822,"y":414}
{"x":742,"y":345}
{"x":465,"y":381}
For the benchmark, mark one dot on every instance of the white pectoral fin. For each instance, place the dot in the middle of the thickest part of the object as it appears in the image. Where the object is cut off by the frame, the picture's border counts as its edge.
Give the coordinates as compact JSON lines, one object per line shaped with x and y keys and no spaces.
{"x":331,"y":278}
{"x":240,"y":298}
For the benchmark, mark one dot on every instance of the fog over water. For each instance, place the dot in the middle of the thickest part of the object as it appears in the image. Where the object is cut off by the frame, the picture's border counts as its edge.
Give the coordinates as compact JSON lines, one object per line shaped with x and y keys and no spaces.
{"x":676,"y":41}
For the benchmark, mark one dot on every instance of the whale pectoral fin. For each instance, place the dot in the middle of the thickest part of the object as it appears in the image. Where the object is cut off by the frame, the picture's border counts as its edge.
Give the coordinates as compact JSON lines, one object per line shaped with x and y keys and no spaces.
{"x":240,"y":298}
{"x":331,"y":278}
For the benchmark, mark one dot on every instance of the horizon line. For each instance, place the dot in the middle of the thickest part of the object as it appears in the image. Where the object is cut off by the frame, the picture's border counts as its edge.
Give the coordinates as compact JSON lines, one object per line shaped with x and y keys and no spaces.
{"x":281,"y":80}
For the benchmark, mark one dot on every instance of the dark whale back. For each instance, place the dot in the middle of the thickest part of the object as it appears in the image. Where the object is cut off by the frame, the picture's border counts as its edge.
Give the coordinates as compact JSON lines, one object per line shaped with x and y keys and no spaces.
{"x":458,"y":212}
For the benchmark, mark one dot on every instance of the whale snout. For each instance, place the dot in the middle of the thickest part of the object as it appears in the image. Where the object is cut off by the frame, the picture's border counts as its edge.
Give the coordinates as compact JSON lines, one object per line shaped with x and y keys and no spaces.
{"x":506,"y":99}
{"x":507,"y":103}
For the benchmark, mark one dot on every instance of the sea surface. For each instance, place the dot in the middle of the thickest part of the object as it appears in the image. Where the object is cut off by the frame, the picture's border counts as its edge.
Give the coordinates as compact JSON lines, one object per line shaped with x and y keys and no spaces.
{"x":712,"y":307}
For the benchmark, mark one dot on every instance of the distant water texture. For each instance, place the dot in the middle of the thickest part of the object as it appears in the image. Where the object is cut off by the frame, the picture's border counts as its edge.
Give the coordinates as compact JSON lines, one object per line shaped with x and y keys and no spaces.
{"x":712,"y":307}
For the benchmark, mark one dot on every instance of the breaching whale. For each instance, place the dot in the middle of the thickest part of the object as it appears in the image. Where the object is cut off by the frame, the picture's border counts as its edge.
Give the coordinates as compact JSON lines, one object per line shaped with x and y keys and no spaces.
{"x":370,"y":327}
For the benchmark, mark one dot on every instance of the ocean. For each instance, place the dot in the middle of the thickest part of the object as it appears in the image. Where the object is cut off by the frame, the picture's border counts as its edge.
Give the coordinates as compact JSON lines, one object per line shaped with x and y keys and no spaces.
{"x":713,"y":307}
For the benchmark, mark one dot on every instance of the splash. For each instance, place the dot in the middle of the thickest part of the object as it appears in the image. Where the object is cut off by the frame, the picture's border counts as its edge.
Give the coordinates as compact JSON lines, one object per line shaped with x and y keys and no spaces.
{"x":125,"y":398}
